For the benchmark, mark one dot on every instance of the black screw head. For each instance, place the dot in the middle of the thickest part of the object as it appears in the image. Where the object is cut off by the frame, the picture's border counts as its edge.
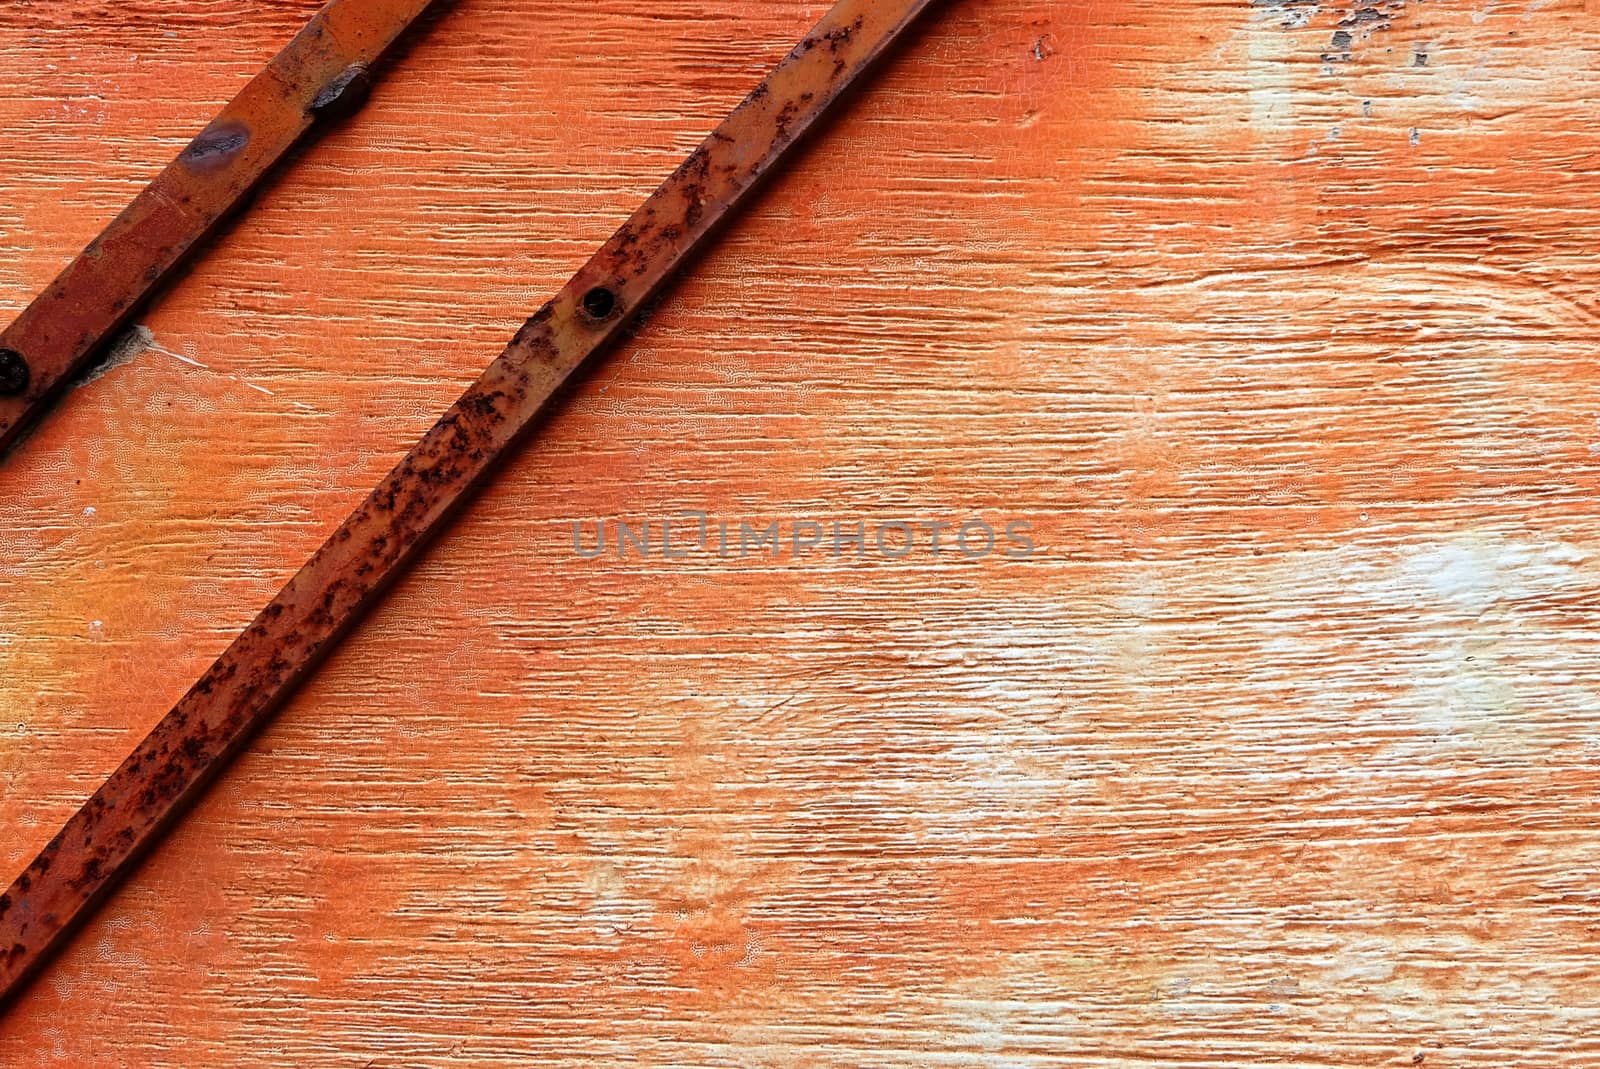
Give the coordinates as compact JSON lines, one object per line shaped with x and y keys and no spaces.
{"x":344,"y":95}
{"x":599,"y":304}
{"x":14,"y":373}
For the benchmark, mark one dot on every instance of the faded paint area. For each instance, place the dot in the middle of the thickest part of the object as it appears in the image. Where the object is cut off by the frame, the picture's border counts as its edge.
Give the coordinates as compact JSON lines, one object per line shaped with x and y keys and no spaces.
{"x":1280,"y":750}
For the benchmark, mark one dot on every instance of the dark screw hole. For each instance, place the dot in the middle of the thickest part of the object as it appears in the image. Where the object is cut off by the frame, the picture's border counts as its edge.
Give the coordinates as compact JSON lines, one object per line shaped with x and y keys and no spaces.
{"x":14,"y":373}
{"x":599,"y":303}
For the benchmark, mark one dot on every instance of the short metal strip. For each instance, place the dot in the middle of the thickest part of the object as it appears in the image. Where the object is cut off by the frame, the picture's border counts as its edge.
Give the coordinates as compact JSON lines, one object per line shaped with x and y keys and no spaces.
{"x":320,"y":75}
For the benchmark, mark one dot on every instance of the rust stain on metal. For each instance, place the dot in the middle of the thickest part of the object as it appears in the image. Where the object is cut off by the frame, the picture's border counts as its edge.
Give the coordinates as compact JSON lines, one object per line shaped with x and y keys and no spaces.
{"x":193,"y":742}
{"x":319,"y":76}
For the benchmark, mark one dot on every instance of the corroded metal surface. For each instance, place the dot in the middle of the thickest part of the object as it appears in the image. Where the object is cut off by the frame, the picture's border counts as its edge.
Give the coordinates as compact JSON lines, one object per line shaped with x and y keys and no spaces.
{"x":291,"y":636}
{"x":319,"y":76}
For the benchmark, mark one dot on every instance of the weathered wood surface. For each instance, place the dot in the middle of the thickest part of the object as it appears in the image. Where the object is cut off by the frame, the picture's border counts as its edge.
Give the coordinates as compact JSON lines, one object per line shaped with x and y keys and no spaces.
{"x":1278,"y":751}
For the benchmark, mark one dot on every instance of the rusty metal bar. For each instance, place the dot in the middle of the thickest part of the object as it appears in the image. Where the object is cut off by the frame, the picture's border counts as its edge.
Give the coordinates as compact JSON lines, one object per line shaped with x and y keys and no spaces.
{"x":103,"y":841}
{"x":319,"y":76}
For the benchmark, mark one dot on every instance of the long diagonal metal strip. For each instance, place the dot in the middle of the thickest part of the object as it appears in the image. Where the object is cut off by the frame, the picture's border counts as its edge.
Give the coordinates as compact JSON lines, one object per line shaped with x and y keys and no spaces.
{"x":292,"y":634}
{"x":318,"y":76}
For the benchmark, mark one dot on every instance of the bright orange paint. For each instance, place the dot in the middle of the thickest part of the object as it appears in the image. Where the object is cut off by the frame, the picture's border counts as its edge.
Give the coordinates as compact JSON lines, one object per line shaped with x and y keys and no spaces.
{"x":1280,"y":753}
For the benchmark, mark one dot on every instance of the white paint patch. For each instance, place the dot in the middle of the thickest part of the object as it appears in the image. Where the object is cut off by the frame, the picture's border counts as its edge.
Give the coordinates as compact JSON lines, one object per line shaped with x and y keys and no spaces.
{"x":1473,"y":573}
{"x":1271,"y":73}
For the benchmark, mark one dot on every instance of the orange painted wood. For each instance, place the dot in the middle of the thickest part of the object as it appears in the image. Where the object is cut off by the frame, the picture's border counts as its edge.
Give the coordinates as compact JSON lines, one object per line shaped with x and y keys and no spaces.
{"x":1279,"y":750}
{"x":157,"y":784}
{"x":320,"y":76}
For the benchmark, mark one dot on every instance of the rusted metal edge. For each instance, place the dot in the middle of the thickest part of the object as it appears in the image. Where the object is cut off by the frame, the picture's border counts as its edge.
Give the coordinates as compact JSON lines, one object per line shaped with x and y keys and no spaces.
{"x":186,"y":750}
{"x":320,"y":76}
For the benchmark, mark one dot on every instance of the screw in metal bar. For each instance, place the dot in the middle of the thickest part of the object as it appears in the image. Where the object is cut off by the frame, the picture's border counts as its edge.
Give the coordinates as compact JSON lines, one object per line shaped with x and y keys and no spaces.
{"x":14,"y":373}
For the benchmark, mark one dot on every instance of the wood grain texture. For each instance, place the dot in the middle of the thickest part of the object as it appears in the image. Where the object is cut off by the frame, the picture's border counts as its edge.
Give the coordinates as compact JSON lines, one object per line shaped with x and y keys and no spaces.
{"x":319,"y":77}
{"x":374,"y":546}
{"x":1275,"y":320}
